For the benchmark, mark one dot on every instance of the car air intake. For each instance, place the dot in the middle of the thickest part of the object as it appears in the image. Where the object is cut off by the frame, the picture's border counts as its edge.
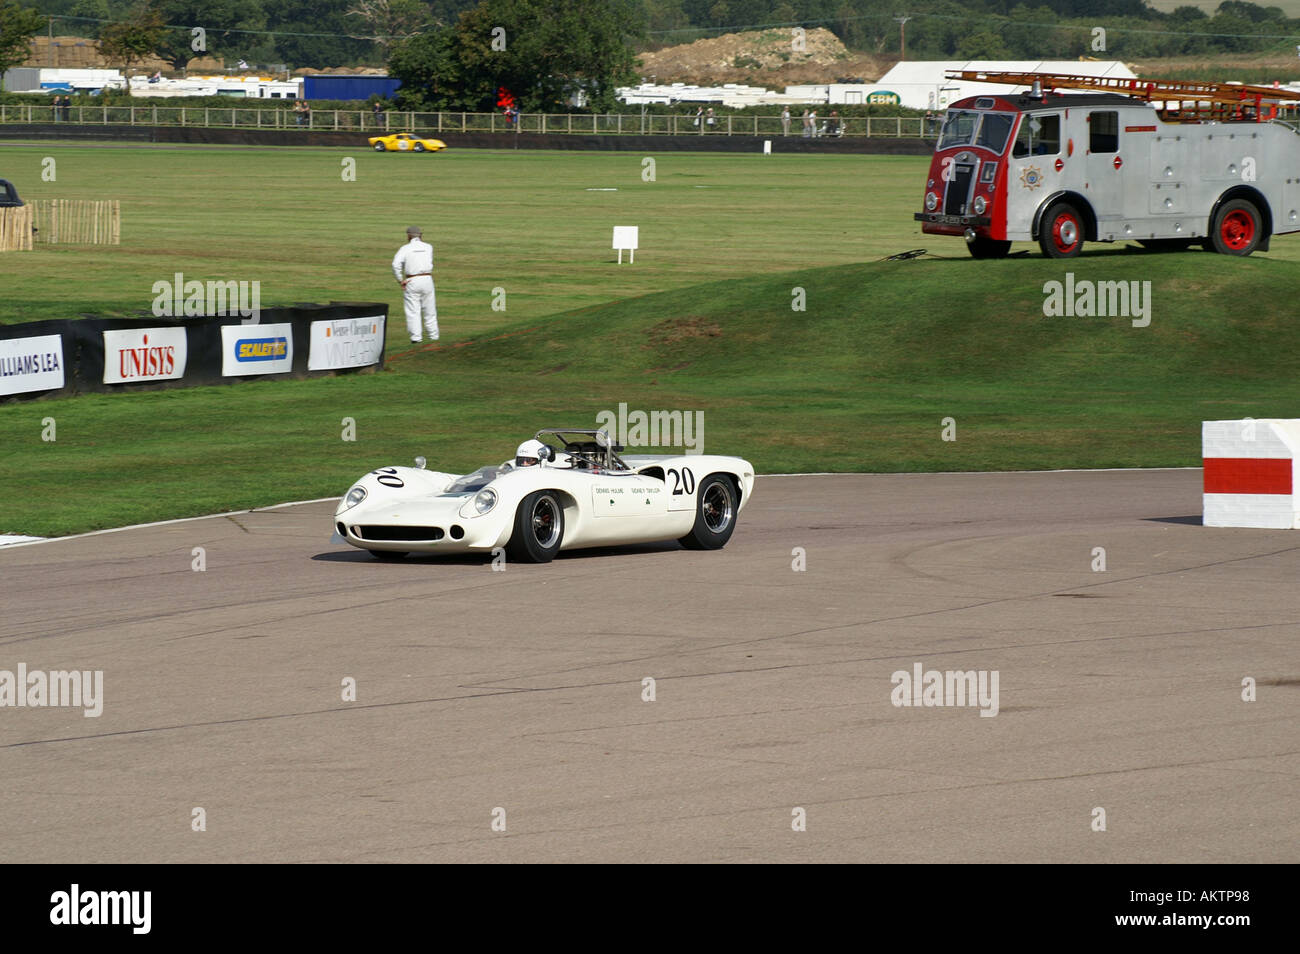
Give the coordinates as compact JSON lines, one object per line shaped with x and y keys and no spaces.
{"x":371,"y":532}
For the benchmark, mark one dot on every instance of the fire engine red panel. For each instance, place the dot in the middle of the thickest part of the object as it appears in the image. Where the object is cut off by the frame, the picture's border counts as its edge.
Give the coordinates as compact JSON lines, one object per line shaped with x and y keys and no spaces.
{"x":1139,"y":128}
{"x":1247,"y":475}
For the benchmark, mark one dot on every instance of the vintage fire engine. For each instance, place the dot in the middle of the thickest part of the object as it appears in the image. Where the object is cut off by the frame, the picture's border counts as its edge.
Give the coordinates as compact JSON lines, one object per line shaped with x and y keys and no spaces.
{"x":1166,"y":164}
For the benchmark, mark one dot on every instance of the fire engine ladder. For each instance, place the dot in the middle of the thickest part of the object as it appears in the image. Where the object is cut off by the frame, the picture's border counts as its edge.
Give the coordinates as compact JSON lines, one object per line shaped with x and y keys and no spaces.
{"x":1182,"y":101}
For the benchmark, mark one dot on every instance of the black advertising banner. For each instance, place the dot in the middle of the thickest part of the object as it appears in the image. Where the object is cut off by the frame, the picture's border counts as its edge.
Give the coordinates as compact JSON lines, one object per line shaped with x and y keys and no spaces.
{"x":62,"y":357}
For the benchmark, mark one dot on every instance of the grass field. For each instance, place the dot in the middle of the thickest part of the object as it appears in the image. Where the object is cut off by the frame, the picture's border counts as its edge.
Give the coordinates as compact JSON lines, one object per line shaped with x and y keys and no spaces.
{"x":520,"y":220}
{"x":860,"y":380}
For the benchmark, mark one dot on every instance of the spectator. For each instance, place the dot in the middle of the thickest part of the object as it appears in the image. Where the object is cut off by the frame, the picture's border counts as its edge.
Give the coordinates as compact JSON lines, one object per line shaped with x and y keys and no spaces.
{"x":812,"y":122}
{"x":380,"y":120}
{"x":699,"y":118}
{"x":412,"y":264}
{"x":67,"y":109}
{"x":785,"y":121}
{"x":929,"y":123}
{"x":807,"y":124}
{"x":711,"y":120}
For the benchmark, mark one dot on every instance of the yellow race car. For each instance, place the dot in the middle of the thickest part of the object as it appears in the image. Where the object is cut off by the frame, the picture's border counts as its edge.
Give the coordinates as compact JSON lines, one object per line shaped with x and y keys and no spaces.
{"x":405,"y":142}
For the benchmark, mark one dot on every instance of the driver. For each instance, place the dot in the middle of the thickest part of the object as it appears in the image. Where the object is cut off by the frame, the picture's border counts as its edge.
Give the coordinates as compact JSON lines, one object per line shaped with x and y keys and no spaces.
{"x":529,"y":453}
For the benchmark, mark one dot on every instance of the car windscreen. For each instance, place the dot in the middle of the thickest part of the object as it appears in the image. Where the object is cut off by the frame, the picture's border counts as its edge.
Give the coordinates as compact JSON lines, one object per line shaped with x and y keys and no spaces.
{"x":965,"y":127}
{"x":474,"y":482}
{"x":995,"y":129}
{"x":958,"y":128}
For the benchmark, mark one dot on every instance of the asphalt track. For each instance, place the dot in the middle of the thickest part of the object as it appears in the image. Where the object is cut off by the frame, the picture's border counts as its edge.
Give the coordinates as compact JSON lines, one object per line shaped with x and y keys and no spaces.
{"x":522,"y":690}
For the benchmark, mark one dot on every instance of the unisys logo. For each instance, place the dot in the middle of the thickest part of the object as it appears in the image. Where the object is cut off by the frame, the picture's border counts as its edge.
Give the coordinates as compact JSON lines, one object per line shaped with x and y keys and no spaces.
{"x":144,"y":354}
{"x":146,"y":362}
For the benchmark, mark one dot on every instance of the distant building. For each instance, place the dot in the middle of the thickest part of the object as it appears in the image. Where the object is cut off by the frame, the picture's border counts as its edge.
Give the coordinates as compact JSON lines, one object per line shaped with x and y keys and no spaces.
{"x":93,"y":81}
{"x":344,"y":87}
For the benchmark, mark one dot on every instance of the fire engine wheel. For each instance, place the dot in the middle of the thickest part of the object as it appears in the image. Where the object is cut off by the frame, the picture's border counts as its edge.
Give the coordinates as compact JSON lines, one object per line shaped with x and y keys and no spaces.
{"x":981,"y":247}
{"x":1236,"y":229}
{"x":1061,"y":233}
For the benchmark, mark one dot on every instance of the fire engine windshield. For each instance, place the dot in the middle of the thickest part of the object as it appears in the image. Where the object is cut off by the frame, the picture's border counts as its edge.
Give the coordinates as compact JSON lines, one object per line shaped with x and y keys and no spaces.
{"x":965,"y":127}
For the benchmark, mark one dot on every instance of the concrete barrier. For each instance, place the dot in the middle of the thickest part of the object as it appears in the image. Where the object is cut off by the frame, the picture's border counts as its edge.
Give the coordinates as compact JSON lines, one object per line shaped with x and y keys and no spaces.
{"x":1251,"y":473}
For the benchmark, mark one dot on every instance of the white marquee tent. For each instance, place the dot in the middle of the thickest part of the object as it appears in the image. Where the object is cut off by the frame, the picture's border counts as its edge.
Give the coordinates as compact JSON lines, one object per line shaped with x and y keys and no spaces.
{"x":921,"y":84}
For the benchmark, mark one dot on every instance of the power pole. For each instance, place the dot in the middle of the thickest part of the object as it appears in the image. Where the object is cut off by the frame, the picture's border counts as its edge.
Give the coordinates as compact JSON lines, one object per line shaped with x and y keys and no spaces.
{"x":902,"y":36}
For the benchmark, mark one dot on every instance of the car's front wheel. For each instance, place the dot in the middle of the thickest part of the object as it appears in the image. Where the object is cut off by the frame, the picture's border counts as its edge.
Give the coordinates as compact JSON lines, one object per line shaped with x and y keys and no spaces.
{"x":715,"y":514}
{"x":419,"y":147}
{"x":379,"y":147}
{"x":539,"y":528}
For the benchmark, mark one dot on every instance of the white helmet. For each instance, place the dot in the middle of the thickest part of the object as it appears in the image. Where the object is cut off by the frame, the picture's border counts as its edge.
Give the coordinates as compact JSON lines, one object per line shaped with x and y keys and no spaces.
{"x":529,"y":453}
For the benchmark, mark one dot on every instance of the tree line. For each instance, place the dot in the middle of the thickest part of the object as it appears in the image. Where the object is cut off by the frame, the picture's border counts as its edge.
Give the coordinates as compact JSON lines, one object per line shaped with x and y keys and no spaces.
{"x":461,"y":54}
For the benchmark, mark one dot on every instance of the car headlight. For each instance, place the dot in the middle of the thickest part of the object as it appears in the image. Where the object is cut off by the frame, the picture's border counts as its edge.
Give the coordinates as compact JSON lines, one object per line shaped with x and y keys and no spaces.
{"x":931,"y":200}
{"x":354,"y":497}
{"x":980,"y":205}
{"x":485,"y":500}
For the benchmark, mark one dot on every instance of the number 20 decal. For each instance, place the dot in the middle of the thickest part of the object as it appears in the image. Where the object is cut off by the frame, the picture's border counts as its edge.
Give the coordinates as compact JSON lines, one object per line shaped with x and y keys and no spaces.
{"x":388,"y":477}
{"x":683,"y":483}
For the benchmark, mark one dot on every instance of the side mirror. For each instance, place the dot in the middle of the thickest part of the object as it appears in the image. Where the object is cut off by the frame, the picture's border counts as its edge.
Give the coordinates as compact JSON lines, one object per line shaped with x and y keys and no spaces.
{"x":547,"y":453}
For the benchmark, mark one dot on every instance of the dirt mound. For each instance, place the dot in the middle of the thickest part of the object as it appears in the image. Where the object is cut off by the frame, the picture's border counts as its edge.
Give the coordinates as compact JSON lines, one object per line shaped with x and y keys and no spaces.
{"x":772,"y":58}
{"x":80,"y":53}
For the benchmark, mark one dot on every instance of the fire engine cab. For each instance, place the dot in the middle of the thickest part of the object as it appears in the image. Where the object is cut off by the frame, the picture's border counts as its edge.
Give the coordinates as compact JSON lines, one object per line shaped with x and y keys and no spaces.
{"x":1211,"y":164}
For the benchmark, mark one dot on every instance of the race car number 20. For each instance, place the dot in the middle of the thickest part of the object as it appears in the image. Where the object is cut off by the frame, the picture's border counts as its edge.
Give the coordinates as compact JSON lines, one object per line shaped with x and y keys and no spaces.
{"x":388,"y":477}
{"x":683,"y":483}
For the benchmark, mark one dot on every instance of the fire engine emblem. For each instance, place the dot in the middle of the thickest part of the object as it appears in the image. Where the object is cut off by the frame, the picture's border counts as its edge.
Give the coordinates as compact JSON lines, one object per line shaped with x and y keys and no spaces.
{"x":1031,"y":177}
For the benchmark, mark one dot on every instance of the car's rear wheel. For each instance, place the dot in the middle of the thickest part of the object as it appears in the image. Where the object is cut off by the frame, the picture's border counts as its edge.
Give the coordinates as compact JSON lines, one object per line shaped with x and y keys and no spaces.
{"x":379,"y":147}
{"x":388,"y":556}
{"x":419,"y":147}
{"x":715,"y":514}
{"x":1236,"y":228}
{"x":539,"y":528}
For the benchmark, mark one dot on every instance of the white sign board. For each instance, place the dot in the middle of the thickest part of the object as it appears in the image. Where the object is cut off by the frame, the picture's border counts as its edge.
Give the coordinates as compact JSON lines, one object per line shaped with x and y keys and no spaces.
{"x":626,"y":237}
{"x":31,"y":364}
{"x":256,"y":349}
{"x":346,"y":343}
{"x":144,"y":354}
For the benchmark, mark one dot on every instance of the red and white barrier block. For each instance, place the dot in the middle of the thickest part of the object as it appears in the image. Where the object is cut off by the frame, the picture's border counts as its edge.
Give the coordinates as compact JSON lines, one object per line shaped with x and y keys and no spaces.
{"x":1252,"y":473}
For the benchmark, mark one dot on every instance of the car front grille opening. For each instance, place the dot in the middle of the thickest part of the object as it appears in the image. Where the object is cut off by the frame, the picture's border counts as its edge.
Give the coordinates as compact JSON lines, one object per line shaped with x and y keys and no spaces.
{"x":372,"y":532}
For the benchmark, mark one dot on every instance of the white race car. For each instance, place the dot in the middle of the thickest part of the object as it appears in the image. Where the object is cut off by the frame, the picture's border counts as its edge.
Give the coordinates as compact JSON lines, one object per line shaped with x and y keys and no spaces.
{"x":581,"y":494}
